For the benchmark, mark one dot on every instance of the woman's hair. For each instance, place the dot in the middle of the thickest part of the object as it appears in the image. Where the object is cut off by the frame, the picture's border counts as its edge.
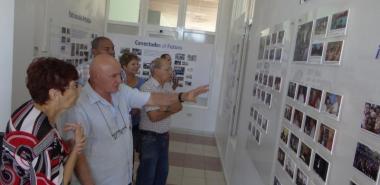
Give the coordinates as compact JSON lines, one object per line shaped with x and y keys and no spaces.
{"x":128,"y":57}
{"x":44,"y":74}
{"x":165,"y":56}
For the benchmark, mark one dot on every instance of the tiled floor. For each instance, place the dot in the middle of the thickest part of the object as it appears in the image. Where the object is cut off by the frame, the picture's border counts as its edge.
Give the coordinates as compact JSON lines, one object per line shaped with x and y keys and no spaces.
{"x":193,"y":160}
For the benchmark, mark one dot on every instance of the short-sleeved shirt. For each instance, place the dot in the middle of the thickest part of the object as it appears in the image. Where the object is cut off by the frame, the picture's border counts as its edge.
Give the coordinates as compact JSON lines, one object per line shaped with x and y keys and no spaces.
{"x":109,"y":147}
{"x":33,"y":151}
{"x":137,"y":117}
{"x":162,"y":126}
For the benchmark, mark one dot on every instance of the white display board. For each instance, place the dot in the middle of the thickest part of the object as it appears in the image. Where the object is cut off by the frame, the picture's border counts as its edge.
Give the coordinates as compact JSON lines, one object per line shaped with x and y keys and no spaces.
{"x":190,"y":61}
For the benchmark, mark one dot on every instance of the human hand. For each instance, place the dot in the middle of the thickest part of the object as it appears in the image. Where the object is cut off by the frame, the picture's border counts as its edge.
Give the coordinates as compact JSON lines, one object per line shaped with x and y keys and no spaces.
{"x":79,"y":137}
{"x":174,"y":108}
{"x":192,"y":95}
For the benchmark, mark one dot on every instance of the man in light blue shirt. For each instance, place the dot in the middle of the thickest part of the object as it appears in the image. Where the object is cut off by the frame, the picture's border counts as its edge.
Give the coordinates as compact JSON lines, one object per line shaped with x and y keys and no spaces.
{"x":103,"y":111}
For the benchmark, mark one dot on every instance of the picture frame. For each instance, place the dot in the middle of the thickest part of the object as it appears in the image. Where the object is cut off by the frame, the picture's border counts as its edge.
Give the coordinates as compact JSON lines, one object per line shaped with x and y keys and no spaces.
{"x":270,"y":81}
{"x":314,"y":98}
{"x":301,"y":93}
{"x":333,"y":52}
{"x":301,"y":178}
{"x":280,"y":37}
{"x":326,"y":136}
{"x":290,"y":166}
{"x":321,"y":167}
{"x":332,"y":105}
{"x":338,"y":24}
{"x":277,"y":83}
{"x":281,"y":156}
{"x":371,"y":118}
{"x":316,"y":52}
{"x":294,"y":142}
{"x":365,"y":156}
{"x":320,"y":28}
{"x":292,"y":90}
{"x":303,"y":39}
{"x":310,"y":126}
{"x":288,"y":112}
{"x":284,"y":135}
{"x":278,"y":55}
{"x":305,"y":154}
{"x":297,"y":118}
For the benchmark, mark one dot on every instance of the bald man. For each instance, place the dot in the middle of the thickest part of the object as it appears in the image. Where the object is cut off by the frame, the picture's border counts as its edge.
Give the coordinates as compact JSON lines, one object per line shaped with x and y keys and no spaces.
{"x":103,"y":111}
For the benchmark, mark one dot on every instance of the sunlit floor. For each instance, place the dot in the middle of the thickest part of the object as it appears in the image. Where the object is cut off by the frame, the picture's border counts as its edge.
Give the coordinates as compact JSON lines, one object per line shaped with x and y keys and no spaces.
{"x":193,"y":160}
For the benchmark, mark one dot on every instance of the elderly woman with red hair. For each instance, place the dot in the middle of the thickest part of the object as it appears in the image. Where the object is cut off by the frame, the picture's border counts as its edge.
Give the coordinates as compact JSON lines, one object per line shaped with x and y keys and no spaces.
{"x":33,"y":150}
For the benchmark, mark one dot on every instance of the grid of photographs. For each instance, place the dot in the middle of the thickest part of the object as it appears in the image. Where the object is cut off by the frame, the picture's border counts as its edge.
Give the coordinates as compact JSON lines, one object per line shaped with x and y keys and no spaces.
{"x":260,"y":123}
{"x":268,"y":81}
{"x":323,"y":44}
{"x":271,"y":47}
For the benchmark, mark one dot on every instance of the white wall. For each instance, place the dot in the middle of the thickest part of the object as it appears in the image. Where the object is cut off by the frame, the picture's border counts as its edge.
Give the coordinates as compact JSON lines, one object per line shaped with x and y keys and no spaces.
{"x":6,"y":58}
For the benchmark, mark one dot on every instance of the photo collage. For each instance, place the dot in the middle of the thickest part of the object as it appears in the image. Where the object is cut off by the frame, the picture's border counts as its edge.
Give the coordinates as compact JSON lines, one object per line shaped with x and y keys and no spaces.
{"x":258,"y":126}
{"x":264,"y":87}
{"x":76,"y":51}
{"x":299,"y":129}
{"x":322,"y":43}
{"x":271,"y":47}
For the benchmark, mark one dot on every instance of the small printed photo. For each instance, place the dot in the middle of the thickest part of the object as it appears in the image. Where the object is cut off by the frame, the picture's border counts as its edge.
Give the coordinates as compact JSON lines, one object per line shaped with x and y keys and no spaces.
{"x":316,"y":50}
{"x":281,"y":156}
{"x":251,"y":110}
{"x":256,"y":77}
{"x":280,"y":37}
{"x":278,"y":54}
{"x":187,"y":83}
{"x":259,"y":119}
{"x":125,"y":50}
{"x":321,"y":26}
{"x":332,"y":103}
{"x":185,"y":63}
{"x":301,"y":93}
{"x":301,"y":50}
{"x":326,"y":136}
{"x":253,"y":131}
{"x":333,"y":52}
{"x":179,"y":70}
{"x":258,"y":93}
{"x":301,"y":178}
{"x":367,"y":161}
{"x":268,"y":99}
{"x":250,"y":126}
{"x":192,"y":58}
{"x":315,"y":96}
{"x":68,"y":39}
{"x":146,"y":66}
{"x":263,"y":96}
{"x":63,"y":48}
{"x":255,"y":114}
{"x":264,"y":124}
{"x":68,"y":30}
{"x":371,"y":118}
{"x":320,"y":166}
{"x":146,"y":73}
{"x":310,"y":126}
{"x":63,"y":30}
{"x":284,"y":135}
{"x":270,"y":81}
{"x":265,"y":80}
{"x":288,"y":112}
{"x":258,"y":135}
{"x":177,"y":62}
{"x":271,"y":54}
{"x":276,"y":181}
{"x":266,"y":54}
{"x":277,"y":83}
{"x":339,"y":21}
{"x":274,"y":38}
{"x":63,"y":39}
{"x":289,"y":166}
{"x":81,"y":53}
{"x":72,"y":49}
{"x":292,"y":89}
{"x":293,"y":142}
{"x":191,"y":77}
{"x":261,"y":78}
{"x":136,"y":51}
{"x":179,"y":56}
{"x":267,"y":40}
{"x":297,"y":118}
{"x":305,"y":153}
{"x":261,"y":48}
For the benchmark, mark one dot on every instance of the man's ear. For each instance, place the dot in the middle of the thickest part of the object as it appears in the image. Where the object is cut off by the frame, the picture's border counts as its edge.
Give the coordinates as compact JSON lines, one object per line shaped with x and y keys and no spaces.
{"x":54,"y":93}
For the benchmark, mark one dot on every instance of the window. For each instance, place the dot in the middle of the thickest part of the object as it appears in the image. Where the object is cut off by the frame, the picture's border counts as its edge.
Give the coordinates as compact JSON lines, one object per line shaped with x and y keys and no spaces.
{"x":124,"y":10}
{"x":163,"y":12}
{"x":201,"y":15}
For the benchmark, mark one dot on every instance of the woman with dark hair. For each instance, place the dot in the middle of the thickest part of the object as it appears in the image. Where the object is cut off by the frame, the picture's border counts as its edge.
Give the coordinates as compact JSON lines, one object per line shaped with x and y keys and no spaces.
{"x":33,"y":150}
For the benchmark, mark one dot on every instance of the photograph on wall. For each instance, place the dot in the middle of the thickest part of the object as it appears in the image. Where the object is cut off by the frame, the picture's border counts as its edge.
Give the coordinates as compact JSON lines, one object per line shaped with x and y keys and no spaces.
{"x":316,"y":52}
{"x":301,"y":178}
{"x":321,"y":26}
{"x":301,"y":93}
{"x":331,"y":104}
{"x":274,"y":38}
{"x":191,"y":58}
{"x":371,"y":119}
{"x":339,"y":21}
{"x":305,"y":153}
{"x":255,"y":114}
{"x":265,"y":79}
{"x":367,"y":161}
{"x":297,"y":118}
{"x":264,"y":124}
{"x":277,"y":84}
{"x":280,"y":37}
{"x":261,"y":78}
{"x":326,"y":136}
{"x":281,"y":156}
{"x":251,"y":110}
{"x":284,"y":135}
{"x":268,"y":99}
{"x":293,"y":142}
{"x":315,"y":96}
{"x":146,"y":66}
{"x":278,"y":54}
{"x":266,"y":54}
{"x":292,"y":89}
{"x":271,"y":54}
{"x":289,"y":166}
{"x":179,"y":56}
{"x":276,"y":181}
{"x":301,"y":50}
{"x":258,"y":93}
{"x":259,"y":119}
{"x":270,"y":81}
{"x":262,"y":96}
{"x":267,"y":42}
{"x":288,"y":112}
{"x":310,"y":126}
{"x":137,"y":51}
{"x":254,"y":90}
{"x":179,"y":70}
{"x":256,"y":77}
{"x":320,"y":166}
{"x":261,"y":48}
{"x":258,"y":136}
{"x":333,"y":52}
